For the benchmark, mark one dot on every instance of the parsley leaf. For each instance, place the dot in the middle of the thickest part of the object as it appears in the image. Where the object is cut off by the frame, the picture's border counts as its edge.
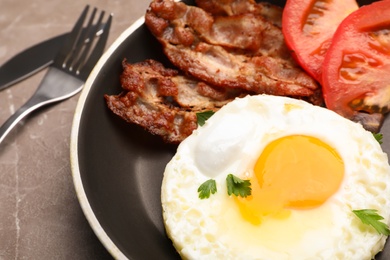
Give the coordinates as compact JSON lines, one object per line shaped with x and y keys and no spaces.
{"x":206,"y":188}
{"x":203,"y":116}
{"x":378,"y":137}
{"x":238,"y":186}
{"x":371,"y":217}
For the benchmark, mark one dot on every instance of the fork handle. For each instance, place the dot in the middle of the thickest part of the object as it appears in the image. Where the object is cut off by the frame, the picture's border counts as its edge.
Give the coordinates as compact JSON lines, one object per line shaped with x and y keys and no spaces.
{"x":54,"y":87}
{"x":33,"y":103}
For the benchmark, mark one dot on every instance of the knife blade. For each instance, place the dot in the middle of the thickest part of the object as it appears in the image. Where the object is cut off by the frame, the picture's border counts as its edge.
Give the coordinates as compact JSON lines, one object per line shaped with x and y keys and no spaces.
{"x":30,"y":61}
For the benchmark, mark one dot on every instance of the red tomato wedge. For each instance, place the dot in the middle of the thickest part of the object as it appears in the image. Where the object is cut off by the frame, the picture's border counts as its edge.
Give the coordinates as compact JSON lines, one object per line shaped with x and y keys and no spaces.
{"x":308,"y":27}
{"x":356,"y":68}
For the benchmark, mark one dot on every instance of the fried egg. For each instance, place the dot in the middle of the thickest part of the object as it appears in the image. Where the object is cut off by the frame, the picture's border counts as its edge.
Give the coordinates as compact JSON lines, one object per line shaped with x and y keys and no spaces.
{"x":309,"y":168}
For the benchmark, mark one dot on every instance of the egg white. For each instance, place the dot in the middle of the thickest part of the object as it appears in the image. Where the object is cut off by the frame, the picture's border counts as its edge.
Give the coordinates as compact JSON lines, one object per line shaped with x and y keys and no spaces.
{"x":230,"y":142}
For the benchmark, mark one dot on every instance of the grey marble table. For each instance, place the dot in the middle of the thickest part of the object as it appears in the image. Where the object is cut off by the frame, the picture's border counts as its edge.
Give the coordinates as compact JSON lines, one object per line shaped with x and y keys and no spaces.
{"x":40,"y":217}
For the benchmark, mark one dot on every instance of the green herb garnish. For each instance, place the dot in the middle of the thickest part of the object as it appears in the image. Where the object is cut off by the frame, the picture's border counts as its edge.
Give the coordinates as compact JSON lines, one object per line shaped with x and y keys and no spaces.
{"x":372,"y":218}
{"x":203,"y":116}
{"x":238,"y":186}
{"x":378,"y":137}
{"x":206,"y":188}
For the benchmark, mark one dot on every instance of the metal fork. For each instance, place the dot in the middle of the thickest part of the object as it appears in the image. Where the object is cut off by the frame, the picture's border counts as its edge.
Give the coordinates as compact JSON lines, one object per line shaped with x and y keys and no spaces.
{"x":71,"y":67}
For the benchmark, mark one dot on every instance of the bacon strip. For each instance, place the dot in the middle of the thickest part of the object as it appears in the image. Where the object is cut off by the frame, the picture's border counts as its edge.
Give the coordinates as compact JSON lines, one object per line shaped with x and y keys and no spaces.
{"x":164,"y":102}
{"x":196,"y":43}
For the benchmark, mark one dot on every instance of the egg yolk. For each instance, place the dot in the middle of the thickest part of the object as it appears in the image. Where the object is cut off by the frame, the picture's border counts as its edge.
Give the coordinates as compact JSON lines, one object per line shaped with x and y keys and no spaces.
{"x":293,"y":172}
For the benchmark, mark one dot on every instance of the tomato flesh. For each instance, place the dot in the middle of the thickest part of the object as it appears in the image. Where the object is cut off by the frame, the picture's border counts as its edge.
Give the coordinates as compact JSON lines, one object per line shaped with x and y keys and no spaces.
{"x":308,"y":27}
{"x":356,"y":68}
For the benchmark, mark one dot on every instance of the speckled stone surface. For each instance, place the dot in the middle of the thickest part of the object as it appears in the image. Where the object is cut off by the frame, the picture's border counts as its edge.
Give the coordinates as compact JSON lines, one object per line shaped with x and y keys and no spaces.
{"x":40,"y":217}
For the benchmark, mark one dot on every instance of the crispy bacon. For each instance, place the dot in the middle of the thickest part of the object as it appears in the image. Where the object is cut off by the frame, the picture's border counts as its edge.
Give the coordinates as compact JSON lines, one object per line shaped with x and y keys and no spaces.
{"x":208,"y":49}
{"x":163,"y":101}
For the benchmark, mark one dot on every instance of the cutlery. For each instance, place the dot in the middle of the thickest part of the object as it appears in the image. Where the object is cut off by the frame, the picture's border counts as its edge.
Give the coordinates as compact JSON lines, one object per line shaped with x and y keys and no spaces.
{"x":30,"y":61}
{"x":70,"y":69}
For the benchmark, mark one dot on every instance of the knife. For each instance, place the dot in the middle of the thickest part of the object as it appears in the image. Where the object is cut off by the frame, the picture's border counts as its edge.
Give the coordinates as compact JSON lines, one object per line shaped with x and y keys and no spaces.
{"x":30,"y":61}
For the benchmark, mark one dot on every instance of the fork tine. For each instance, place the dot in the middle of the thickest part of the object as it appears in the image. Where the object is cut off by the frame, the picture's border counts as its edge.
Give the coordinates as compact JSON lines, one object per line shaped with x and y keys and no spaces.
{"x":97,"y":51}
{"x":73,"y":57}
{"x":89,"y":40}
{"x":62,"y":55}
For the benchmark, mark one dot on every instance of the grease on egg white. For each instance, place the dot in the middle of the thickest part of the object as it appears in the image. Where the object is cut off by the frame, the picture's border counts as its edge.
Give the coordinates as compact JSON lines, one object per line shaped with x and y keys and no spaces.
{"x":292,"y":213}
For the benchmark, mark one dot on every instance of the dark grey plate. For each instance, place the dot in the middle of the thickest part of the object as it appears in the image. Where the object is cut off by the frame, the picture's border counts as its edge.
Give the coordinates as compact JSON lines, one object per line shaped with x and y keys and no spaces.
{"x":117,"y":167}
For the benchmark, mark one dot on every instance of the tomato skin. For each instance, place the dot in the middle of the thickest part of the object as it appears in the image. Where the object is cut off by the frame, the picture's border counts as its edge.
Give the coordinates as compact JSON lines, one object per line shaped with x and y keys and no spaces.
{"x":308,"y":27}
{"x":356,"y":68}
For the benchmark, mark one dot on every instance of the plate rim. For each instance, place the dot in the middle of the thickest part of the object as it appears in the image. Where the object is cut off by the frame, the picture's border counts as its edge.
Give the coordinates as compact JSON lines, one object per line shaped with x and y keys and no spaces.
{"x":74,"y":156}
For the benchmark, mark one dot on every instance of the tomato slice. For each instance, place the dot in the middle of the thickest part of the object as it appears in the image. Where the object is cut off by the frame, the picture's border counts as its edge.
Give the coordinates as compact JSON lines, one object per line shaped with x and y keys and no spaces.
{"x":356,"y":68}
{"x":308,"y":27}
